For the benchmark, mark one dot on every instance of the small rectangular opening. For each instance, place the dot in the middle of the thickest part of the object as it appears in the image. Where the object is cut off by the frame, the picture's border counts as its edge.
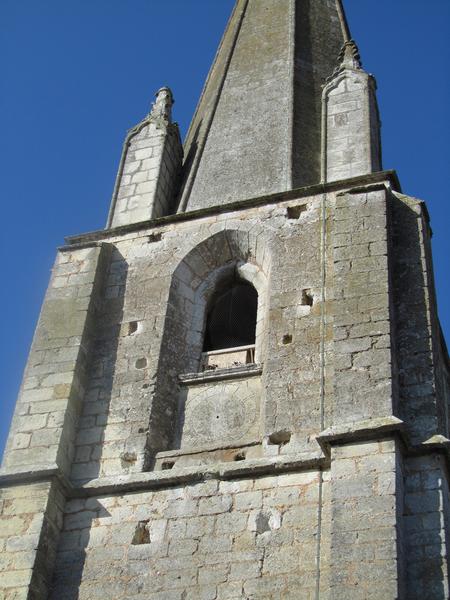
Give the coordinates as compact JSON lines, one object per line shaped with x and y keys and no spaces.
{"x":239,"y":456}
{"x":307,"y":298}
{"x":141,"y":534}
{"x":294,"y":212}
{"x":154,"y":237}
{"x":167,"y":465}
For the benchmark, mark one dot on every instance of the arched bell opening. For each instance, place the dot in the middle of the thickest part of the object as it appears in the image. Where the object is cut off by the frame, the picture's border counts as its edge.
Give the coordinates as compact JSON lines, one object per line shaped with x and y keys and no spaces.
{"x":231,"y":318}
{"x":217,"y":304}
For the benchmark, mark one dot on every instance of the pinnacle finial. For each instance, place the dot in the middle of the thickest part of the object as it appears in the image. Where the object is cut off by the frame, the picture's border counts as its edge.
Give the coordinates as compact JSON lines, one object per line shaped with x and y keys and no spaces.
{"x":162,"y":107}
{"x":349,"y":56}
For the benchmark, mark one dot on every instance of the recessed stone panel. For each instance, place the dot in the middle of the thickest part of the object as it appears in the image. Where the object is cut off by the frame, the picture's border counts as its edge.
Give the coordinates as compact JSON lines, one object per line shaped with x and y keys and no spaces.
{"x":221,"y":413}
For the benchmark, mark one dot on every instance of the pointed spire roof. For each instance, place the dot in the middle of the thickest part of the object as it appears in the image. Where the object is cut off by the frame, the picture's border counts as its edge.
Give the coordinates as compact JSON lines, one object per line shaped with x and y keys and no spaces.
{"x":257,"y":127}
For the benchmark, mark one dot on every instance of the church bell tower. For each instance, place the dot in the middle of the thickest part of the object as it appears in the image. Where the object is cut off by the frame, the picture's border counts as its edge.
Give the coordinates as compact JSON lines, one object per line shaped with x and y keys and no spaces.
{"x":239,"y":388}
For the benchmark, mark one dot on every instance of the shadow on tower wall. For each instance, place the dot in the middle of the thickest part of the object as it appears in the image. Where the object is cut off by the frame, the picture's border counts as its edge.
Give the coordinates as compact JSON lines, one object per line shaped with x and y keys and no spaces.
{"x":421,"y":403}
{"x":89,"y":445}
{"x":71,"y":562}
{"x":317,"y":46}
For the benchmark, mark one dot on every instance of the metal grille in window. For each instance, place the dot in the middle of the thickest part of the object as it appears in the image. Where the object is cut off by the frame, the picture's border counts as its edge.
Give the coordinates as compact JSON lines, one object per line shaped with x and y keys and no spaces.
{"x":231,"y":320}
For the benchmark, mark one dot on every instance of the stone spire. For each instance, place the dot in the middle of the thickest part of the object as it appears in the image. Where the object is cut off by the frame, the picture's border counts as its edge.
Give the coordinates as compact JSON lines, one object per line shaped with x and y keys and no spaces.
{"x":351,"y":143}
{"x":257,"y":128}
{"x":148,"y":177}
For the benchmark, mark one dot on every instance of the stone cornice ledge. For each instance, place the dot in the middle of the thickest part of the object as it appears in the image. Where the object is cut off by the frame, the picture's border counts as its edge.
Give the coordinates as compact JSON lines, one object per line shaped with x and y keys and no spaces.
{"x":360,"y":431}
{"x":155,"y":480}
{"x":361,"y":181}
{"x":437,"y":442}
{"x":373,"y":429}
{"x":305,"y":461}
{"x":34,"y":474}
{"x":221,"y":471}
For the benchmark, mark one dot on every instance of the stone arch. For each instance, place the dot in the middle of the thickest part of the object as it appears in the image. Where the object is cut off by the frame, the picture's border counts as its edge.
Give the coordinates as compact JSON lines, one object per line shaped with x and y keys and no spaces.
{"x":246,"y":271}
{"x":193,"y":282}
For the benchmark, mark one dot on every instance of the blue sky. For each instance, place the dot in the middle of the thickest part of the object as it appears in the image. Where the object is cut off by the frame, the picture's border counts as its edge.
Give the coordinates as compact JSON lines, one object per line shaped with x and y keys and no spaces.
{"x":77,"y":74}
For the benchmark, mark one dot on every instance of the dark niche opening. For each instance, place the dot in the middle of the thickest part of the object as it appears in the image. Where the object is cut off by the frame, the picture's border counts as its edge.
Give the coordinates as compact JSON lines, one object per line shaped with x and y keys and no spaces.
{"x":307,"y":298}
{"x":132,"y":327}
{"x":167,"y":465}
{"x":231,"y":320}
{"x":294,"y":212}
{"x":141,"y":534}
{"x":280,"y":438}
{"x":287,"y":339}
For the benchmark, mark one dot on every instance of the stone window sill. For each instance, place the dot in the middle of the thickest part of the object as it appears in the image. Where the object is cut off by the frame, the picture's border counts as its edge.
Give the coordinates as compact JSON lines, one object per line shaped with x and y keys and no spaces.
{"x":250,"y":370}
{"x":228,"y":358}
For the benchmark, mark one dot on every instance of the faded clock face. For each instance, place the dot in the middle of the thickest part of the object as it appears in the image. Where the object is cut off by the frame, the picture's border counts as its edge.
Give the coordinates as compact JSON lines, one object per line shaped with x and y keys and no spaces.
{"x":224,"y":413}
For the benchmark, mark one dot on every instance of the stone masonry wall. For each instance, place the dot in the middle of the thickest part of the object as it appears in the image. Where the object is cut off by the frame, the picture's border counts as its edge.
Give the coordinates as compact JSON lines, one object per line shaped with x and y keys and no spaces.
{"x":363,"y":369}
{"x":421,"y":356}
{"x":123,"y":381}
{"x":323,"y":264}
{"x":136,"y":335}
{"x":427,"y":521}
{"x":366,"y":496}
{"x":30,"y":519}
{"x":214,"y":540}
{"x":42,"y":431}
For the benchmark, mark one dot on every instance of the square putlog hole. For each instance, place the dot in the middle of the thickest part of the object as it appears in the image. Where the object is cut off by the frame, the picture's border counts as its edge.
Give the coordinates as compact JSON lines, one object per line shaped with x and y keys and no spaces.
{"x":154,"y":237}
{"x":132,"y":327}
{"x":167,"y":465}
{"x":141,"y":534}
{"x":307,"y":298}
{"x":294,"y":212}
